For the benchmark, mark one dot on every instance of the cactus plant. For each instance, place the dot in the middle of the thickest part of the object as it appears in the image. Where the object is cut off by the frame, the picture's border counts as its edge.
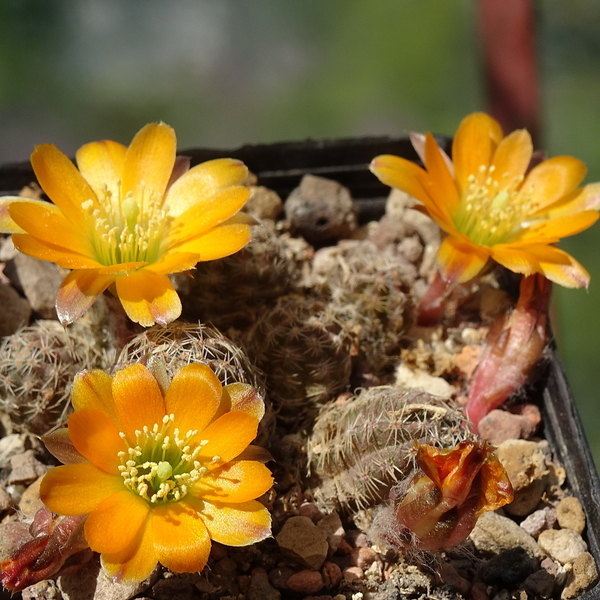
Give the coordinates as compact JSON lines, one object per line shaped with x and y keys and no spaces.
{"x":363,"y":446}
{"x":37,"y":366}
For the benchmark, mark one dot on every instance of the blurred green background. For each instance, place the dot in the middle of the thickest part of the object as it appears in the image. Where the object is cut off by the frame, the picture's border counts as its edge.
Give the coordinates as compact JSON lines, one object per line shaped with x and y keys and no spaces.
{"x":225,"y":72}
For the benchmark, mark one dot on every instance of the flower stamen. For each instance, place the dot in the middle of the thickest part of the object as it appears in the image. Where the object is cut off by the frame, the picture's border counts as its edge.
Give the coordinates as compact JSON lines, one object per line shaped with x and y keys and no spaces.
{"x":169,"y":478}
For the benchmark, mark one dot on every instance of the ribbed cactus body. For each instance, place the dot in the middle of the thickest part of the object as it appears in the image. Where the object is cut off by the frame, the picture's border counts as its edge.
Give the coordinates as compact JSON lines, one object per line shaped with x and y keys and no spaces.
{"x":363,"y":446}
{"x":305,"y":354}
{"x":37,"y":366}
{"x":233,"y":291}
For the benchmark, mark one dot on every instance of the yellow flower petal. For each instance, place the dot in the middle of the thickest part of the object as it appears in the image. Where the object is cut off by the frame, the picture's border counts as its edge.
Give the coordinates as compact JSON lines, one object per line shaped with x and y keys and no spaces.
{"x":474,"y":144}
{"x":52,"y":252}
{"x":121,"y":268}
{"x":207,"y":213}
{"x":46,"y":222}
{"x":552,"y":179}
{"x":552,"y":230}
{"x":203,"y":182}
{"x":228,"y":436}
{"x":585,"y":198}
{"x":93,"y":389}
{"x":134,"y":563}
{"x":235,"y":524}
{"x":101,"y":164}
{"x":138,"y":400}
{"x":7,"y":225}
{"x":516,"y":259}
{"x":403,"y":174}
{"x":77,"y":489}
{"x":443,"y":191}
{"x":555,"y":264}
{"x":193,"y":397}
{"x":174,"y":262}
{"x":245,"y":398}
{"x":221,"y":241}
{"x":568,"y":273}
{"x":77,"y":293}
{"x":62,"y":182}
{"x":116,"y":521}
{"x":149,"y":161}
{"x":237,"y":481}
{"x":180,"y":537}
{"x":512,"y":157}
{"x":96,"y":437}
{"x":460,"y":261}
{"x":148,"y":298}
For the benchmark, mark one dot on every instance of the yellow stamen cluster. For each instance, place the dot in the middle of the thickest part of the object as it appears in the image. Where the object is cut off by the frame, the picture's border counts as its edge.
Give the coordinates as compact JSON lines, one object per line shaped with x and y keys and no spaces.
{"x":128,"y":229}
{"x":492,"y":208}
{"x":162,"y":466}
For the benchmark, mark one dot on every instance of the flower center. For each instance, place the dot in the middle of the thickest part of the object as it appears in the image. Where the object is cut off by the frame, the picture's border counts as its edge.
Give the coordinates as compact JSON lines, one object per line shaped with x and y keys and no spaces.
{"x":162,"y":466}
{"x":492,"y":208}
{"x":126,"y":229}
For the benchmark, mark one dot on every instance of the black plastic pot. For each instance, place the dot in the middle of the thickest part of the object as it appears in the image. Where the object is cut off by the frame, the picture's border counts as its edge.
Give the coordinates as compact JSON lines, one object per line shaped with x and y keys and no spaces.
{"x":280,"y":167}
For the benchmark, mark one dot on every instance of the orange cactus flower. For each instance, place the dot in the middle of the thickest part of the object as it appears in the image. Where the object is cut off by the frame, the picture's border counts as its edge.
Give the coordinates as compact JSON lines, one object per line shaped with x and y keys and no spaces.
{"x":160,"y":474}
{"x":491,"y":206}
{"x":441,"y":504}
{"x":129,"y":217}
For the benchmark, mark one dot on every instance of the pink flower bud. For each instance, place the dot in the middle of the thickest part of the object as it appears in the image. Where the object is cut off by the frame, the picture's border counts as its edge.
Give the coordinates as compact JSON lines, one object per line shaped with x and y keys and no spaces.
{"x":513,"y":347}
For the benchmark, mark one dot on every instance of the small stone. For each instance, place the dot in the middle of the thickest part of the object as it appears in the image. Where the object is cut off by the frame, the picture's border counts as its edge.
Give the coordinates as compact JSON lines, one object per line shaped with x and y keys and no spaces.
{"x":16,"y":311}
{"x":540,"y":584}
{"x":310,"y":510}
{"x":357,"y":538}
{"x":500,"y":425}
{"x":218,"y":551}
{"x":279,"y":576}
{"x":306,"y":581}
{"x":507,"y":569}
{"x":549,"y":565}
{"x":243,"y":582}
{"x":494,"y":533}
{"x":30,"y":501}
{"x":39,"y":281}
{"x":321,"y":210}
{"x":564,"y":545}
{"x":449,"y":576}
{"x":413,"y":379}
{"x":467,"y":360}
{"x":538,"y":521}
{"x":303,"y":541}
{"x":582,"y":577}
{"x":44,"y":590}
{"x":332,"y":574}
{"x":352,"y":573}
{"x":479,"y":591}
{"x":173,"y":589}
{"x":525,"y":465}
{"x":261,"y":589}
{"x":25,"y":468}
{"x":570,"y":515}
{"x":91,"y":583}
{"x":533,"y":416}
{"x":6,"y":501}
{"x":13,"y":444}
{"x":263,"y":203}
{"x":331,"y":524}
{"x":364,"y":557}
